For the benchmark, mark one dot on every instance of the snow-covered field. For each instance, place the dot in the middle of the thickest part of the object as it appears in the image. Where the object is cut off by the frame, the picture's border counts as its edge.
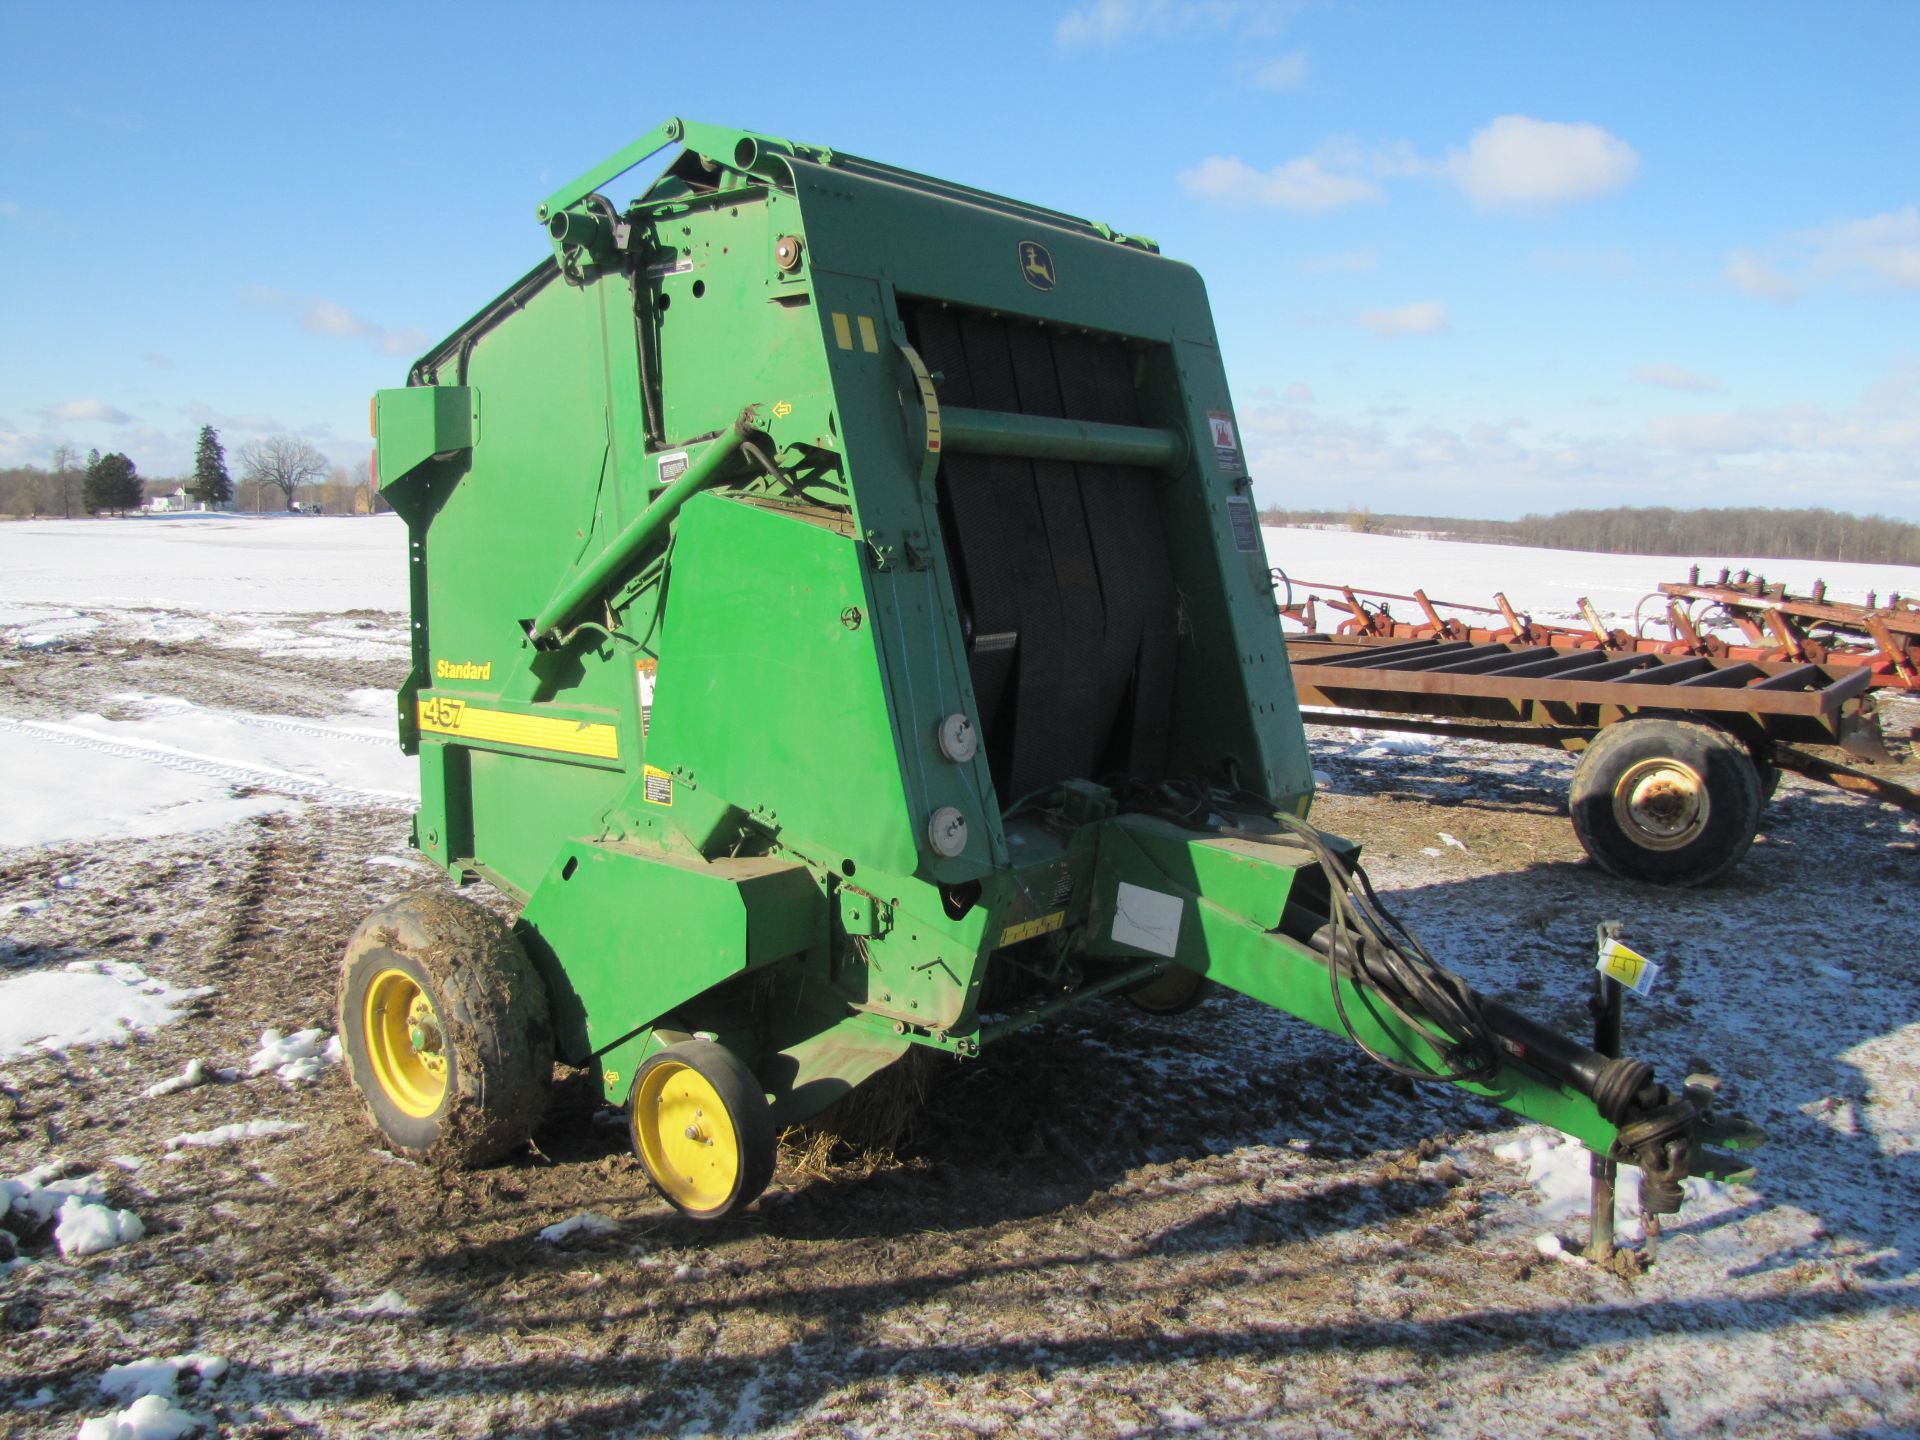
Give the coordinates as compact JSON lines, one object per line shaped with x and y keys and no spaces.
{"x":1548,"y":584}
{"x":1112,"y":1226}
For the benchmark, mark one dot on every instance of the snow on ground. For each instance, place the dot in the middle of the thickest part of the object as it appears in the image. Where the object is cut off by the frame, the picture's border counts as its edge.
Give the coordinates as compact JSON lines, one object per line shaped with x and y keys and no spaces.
{"x":85,"y":1002}
{"x":216,"y":563}
{"x":1547,"y":584}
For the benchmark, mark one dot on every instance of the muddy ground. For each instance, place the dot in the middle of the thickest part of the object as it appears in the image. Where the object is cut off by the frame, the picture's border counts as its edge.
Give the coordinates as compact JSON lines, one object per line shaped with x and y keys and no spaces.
{"x":1116,"y":1225}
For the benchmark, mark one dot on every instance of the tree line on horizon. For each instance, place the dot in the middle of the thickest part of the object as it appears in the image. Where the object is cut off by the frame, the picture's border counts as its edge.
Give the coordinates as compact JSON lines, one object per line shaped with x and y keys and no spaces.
{"x":1755,"y":532}
{"x":284,"y":466}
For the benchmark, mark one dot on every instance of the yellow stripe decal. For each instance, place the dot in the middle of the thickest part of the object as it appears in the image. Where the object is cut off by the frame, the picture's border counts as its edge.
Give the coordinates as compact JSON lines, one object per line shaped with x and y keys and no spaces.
{"x":869,"y":341}
{"x":1027,"y":929}
{"x":443,"y":715}
{"x":929,"y":402}
{"x":842,"y":332}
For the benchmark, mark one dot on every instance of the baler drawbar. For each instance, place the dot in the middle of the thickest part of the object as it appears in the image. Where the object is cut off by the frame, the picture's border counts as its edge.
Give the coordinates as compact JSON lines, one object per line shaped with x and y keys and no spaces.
{"x":840,"y":624}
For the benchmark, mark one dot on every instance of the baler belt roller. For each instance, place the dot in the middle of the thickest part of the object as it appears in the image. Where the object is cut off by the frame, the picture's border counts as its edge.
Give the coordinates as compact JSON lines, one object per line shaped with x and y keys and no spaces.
{"x":967,"y":431}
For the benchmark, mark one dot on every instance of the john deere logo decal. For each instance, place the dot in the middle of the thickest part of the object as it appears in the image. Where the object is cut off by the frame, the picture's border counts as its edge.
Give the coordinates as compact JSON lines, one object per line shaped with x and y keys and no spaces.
{"x":1036,"y":264}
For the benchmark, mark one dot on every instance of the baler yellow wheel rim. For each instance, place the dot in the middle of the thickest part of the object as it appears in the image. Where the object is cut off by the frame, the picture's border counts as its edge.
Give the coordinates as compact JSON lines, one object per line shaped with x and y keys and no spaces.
{"x":405,"y":1044}
{"x":686,"y":1137}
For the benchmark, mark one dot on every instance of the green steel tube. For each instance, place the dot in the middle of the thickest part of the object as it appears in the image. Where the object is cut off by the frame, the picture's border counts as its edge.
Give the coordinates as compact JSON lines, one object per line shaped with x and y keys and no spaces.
{"x":1041,"y":437}
{"x":649,"y":523}
{"x":1046,"y":1009}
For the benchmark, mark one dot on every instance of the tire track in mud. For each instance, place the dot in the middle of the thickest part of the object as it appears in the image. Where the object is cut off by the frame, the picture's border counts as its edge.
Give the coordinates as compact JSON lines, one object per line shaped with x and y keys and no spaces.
{"x":234,"y":772}
{"x":302,"y":727}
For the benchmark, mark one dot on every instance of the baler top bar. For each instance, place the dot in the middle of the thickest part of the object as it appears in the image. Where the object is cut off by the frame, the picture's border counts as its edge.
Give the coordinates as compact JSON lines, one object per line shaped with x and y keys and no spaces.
{"x":764,"y":155}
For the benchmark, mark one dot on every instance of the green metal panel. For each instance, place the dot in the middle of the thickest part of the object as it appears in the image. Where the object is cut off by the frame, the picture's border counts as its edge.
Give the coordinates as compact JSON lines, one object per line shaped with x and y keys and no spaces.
{"x":623,"y":936}
{"x":767,"y":634}
{"x":414,"y":425}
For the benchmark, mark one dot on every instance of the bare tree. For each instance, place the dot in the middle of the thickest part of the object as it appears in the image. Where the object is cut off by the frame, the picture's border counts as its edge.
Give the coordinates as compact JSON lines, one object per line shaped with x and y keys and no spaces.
{"x":66,"y":476}
{"x":287,"y":463}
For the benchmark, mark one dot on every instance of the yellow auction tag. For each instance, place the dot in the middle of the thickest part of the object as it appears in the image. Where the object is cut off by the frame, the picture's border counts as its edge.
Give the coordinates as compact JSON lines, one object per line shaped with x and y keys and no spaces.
{"x":1629,"y":967}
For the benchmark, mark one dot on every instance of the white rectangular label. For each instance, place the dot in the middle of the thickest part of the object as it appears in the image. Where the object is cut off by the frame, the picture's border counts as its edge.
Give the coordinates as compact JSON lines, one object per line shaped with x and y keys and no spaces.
{"x":1147,"y":920}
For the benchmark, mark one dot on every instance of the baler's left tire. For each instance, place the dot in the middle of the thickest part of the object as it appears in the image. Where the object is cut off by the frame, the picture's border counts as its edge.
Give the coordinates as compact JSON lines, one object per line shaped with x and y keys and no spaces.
{"x":447,"y":1030}
{"x":701,"y":1125}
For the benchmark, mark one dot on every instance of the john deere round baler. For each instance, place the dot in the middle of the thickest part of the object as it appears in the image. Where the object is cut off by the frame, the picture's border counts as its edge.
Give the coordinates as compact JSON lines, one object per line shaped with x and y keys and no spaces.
{"x":841,"y":624}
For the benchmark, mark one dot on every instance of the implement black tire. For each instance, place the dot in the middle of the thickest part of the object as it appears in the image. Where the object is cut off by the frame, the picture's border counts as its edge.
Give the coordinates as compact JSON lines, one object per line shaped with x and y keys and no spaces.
{"x":446,"y":1028}
{"x":1673,"y":802}
{"x":1174,"y":991}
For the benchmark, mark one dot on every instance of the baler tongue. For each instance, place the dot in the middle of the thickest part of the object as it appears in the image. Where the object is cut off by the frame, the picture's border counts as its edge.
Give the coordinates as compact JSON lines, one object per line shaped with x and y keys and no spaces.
{"x":841,"y":622}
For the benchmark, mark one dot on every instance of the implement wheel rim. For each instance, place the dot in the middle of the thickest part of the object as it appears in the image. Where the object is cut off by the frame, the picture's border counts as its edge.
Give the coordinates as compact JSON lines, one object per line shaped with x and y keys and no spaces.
{"x":1662,"y":803}
{"x":406,"y":1045}
{"x":687,"y":1137}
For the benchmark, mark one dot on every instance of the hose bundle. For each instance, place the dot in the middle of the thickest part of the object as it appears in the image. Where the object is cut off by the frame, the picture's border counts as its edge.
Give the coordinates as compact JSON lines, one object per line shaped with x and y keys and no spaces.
{"x":1369,"y":946}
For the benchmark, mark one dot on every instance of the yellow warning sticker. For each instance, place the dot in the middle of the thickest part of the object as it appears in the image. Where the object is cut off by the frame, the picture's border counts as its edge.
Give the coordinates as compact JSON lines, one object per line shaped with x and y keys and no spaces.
{"x":782,"y":409}
{"x":656,"y":785}
{"x":444,"y":715}
{"x":869,"y":340}
{"x":842,"y":331}
{"x":1629,"y":967}
{"x":1027,"y":929}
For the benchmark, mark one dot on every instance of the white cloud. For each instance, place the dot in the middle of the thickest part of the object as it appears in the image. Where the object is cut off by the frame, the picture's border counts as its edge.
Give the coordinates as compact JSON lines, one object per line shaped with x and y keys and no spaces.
{"x":1676,"y":377}
{"x":88,"y":410}
{"x":1517,"y":162}
{"x":1747,"y":271}
{"x":1341,"y":262}
{"x":1863,"y":457}
{"x":1282,"y":73}
{"x":1512,"y":163}
{"x":1422,"y":317}
{"x":157,"y":360}
{"x":1304,"y":185}
{"x":1880,"y":252}
{"x":9,"y":209}
{"x":318,"y":315}
{"x":1873,"y":253}
{"x":1299,"y":394}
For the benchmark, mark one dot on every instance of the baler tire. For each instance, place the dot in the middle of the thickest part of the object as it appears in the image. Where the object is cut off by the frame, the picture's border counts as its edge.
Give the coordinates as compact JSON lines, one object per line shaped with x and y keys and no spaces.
{"x":463,"y":1078}
{"x":1673,"y":802}
{"x":706,"y":1165}
{"x":1174,"y":991}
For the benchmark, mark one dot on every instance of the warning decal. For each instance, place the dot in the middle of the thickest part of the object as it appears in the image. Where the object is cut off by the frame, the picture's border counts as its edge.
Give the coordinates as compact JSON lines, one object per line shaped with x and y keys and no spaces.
{"x":1226,"y":443}
{"x":1629,"y":967}
{"x":1028,"y":929}
{"x":647,"y":671}
{"x":656,"y":785}
{"x":1246,"y":533}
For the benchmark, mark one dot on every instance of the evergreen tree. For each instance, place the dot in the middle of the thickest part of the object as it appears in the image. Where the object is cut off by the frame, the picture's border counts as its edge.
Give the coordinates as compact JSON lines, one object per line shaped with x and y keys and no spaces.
{"x":111,"y":483}
{"x":211,"y":485}
{"x":93,"y":495}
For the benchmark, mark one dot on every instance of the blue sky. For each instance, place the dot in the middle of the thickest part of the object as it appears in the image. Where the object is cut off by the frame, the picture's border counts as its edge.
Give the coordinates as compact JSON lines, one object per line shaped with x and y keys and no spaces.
{"x":1468,"y":258}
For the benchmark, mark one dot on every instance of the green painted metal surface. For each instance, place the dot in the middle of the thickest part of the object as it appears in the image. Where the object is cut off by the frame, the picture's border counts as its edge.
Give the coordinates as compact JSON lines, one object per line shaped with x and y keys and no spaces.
{"x":701,"y":646}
